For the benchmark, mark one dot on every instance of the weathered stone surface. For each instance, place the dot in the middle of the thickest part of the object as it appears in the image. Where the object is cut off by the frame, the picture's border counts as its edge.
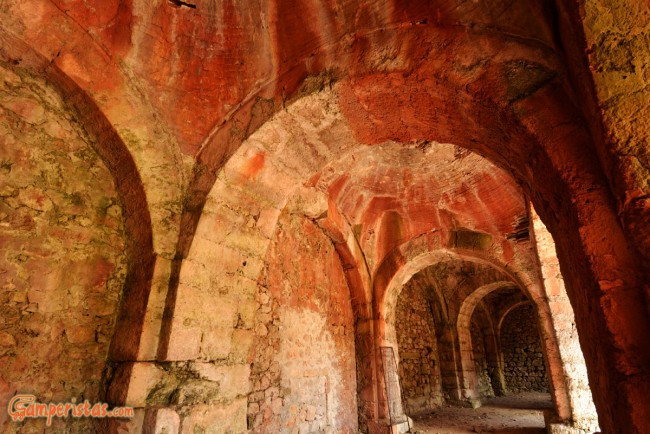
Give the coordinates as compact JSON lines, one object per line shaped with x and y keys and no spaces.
{"x":524,"y":368}
{"x":303,"y":373}
{"x":63,"y":262}
{"x":580,"y":393}
{"x":143,"y":379}
{"x":481,"y":363}
{"x":419,"y":367}
{"x":221,"y":418}
{"x":553,"y":93}
{"x":165,"y":421}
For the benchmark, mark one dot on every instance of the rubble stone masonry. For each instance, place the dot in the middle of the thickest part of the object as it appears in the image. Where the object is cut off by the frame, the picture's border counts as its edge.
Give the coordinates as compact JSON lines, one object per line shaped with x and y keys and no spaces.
{"x":62,"y":261}
{"x":524,"y":368}
{"x":418,"y":352}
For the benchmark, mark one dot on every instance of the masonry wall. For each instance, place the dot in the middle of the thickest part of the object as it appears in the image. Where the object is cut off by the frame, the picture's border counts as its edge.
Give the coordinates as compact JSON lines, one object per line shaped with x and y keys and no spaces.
{"x":418,"y":352}
{"x":524,"y":368}
{"x":303,"y":376}
{"x":479,"y":349}
{"x":62,"y":261}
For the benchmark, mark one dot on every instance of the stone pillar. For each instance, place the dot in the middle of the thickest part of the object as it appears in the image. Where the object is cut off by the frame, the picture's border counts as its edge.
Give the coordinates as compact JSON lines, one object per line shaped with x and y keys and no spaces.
{"x":584,"y":416}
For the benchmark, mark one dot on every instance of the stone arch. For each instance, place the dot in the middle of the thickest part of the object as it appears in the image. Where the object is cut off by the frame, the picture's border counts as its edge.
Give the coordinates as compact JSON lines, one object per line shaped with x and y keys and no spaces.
{"x":92,"y":246}
{"x":499,"y":147}
{"x":549,"y":164}
{"x":506,"y":312}
{"x":112,"y":150}
{"x":521,"y":141}
{"x":417,"y":254}
{"x":396,"y":270}
{"x":555,"y":153}
{"x":470,"y":382}
{"x":110,"y":102}
{"x":262,"y":181}
{"x":148,"y":200}
{"x":464,"y":318}
{"x":519,"y":135}
{"x":423,"y":330}
{"x":386,"y":37}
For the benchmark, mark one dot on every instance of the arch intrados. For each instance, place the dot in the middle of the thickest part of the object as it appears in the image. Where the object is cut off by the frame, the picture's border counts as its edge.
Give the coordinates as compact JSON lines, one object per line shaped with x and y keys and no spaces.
{"x":510,"y":309}
{"x":387,"y":300}
{"x":470,"y":303}
{"x":469,"y":377}
{"x":402,"y":273}
{"x":387,"y":297}
{"x":221,"y":143}
{"x":486,"y":314}
{"x":324,"y":99}
{"x":199,"y":211}
{"x":442,"y":302}
{"x":300,"y":178}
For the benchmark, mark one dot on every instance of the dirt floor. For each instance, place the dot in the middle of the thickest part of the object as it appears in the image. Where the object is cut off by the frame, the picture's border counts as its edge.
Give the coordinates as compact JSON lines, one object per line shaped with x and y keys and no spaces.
{"x":514,"y":414}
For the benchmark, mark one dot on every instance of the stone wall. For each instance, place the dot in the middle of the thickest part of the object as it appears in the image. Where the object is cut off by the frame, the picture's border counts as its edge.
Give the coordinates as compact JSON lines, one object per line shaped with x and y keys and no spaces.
{"x":524,"y":368}
{"x":418,"y":352}
{"x":304,"y":371}
{"x":62,"y":261}
{"x":480,"y":361}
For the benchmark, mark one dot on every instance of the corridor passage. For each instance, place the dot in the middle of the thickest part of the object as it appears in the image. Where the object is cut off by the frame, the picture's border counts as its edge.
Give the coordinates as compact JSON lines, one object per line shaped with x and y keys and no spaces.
{"x":514,"y":414}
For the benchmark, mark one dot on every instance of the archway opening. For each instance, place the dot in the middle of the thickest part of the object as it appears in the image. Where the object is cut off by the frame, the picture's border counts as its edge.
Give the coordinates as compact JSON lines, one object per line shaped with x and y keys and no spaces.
{"x":390,"y":211}
{"x":449,"y":321}
{"x":524,"y":369}
{"x":65,"y":243}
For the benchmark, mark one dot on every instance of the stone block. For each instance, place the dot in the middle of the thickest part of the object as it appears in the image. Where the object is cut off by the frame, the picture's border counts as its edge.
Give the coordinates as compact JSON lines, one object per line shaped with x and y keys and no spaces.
{"x":195,"y":274}
{"x":217,"y":343}
{"x":561,"y":428}
{"x":127,"y":426}
{"x":164,"y":421}
{"x":210,"y":253}
{"x":216,"y":222}
{"x":242,"y":341}
{"x":150,"y":336}
{"x":409,"y":355}
{"x":144,"y":377}
{"x":216,"y":418}
{"x":80,"y":334}
{"x":267,"y":221}
{"x":233,"y":379}
{"x":184,"y":342}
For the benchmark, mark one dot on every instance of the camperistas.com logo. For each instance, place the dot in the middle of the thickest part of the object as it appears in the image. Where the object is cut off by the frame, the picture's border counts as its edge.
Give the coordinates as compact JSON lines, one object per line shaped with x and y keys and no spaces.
{"x":23,"y":407}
